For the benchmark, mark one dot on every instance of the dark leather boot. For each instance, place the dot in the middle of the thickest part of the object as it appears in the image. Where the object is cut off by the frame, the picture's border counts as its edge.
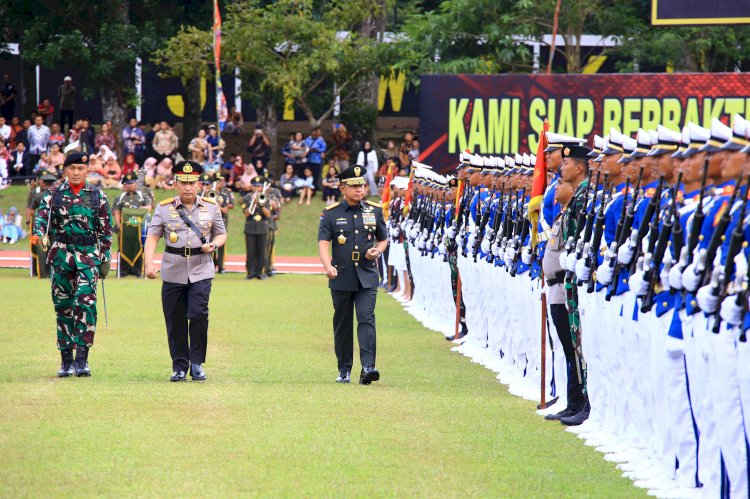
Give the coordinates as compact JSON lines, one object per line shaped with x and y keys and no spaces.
{"x":82,"y":361}
{"x":66,"y":368}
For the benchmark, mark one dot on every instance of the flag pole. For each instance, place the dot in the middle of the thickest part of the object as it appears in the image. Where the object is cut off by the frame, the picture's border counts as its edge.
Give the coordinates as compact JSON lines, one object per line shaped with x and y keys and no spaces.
{"x":555,"y":24}
{"x":459,"y":192}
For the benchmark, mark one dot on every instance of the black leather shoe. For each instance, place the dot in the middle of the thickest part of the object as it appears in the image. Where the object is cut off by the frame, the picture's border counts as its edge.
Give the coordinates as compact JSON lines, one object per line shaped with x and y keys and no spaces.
{"x":262,"y":277}
{"x":177,"y":376}
{"x":344,"y":377}
{"x":270,"y":273}
{"x":197,"y":372}
{"x":368,"y":375}
{"x":249,"y":277}
{"x":82,"y":362}
{"x":578,"y":418}
{"x":66,"y":367}
{"x":567,"y":412}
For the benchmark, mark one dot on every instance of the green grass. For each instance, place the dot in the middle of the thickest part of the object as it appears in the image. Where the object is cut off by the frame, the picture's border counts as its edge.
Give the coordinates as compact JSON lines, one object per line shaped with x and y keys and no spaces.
{"x":297,"y":234}
{"x":270,"y":420}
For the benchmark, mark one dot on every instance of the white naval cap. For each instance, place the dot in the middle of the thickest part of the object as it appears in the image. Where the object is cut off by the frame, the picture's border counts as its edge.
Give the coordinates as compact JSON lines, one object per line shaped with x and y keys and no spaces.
{"x":615,"y":141}
{"x":556,"y":141}
{"x":666,"y":141}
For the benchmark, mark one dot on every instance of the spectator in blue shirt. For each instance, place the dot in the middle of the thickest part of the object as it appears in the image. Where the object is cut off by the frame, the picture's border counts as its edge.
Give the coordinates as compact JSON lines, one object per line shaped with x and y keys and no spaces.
{"x":317,"y":153}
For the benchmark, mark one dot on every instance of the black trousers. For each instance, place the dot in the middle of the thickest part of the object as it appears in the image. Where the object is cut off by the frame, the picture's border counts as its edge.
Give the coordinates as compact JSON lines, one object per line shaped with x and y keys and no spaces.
{"x":255,"y":248}
{"x":219,"y":256}
{"x":576,"y":397}
{"x":66,"y":115}
{"x":186,"y":315}
{"x":344,"y":305}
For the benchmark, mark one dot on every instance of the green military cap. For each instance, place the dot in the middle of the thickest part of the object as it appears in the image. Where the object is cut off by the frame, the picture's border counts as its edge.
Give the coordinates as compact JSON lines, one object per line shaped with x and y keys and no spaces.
{"x":206,"y":178}
{"x":130,"y":178}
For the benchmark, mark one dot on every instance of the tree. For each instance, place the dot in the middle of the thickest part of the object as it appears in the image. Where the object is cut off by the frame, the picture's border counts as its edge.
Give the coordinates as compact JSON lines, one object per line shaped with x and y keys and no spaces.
{"x":291,"y":49}
{"x":100,"y":37}
{"x":188,"y":56}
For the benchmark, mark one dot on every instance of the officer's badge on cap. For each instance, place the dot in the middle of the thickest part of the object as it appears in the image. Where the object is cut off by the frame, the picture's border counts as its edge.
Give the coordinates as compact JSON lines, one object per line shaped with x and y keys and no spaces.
{"x":130,"y":178}
{"x":47,"y":176}
{"x":667,"y":141}
{"x":576,"y":151}
{"x":256,"y":181}
{"x":206,"y":178}
{"x":352,"y":176}
{"x":76,"y":158}
{"x":187,"y":171}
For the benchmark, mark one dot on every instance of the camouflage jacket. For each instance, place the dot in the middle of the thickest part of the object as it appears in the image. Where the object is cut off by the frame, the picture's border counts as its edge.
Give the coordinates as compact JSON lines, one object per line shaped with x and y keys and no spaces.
{"x":80,"y":234}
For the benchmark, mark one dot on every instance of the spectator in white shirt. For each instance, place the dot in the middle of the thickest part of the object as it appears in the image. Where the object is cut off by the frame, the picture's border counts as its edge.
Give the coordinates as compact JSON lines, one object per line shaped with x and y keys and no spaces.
{"x":38,"y":136}
{"x":4,"y":130}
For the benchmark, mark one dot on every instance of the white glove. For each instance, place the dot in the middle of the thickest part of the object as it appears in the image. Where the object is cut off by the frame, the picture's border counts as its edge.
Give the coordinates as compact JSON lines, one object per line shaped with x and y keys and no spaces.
{"x":485,"y":245}
{"x":420,"y":243}
{"x":526,"y":255}
{"x":510,"y":253}
{"x":637,"y":284}
{"x":664,"y":277}
{"x":473,"y":230}
{"x":583,"y":273}
{"x":731,"y":313}
{"x":605,"y":273}
{"x":430,"y":244}
{"x":472,"y":241}
{"x":496,"y":250}
{"x":564,"y":260}
{"x":691,"y":280}
{"x":570,"y":262}
{"x":625,"y":254}
{"x":396,"y":232}
{"x":707,"y":301}
{"x":414,"y":233}
{"x":451,"y":232}
{"x":675,"y":277}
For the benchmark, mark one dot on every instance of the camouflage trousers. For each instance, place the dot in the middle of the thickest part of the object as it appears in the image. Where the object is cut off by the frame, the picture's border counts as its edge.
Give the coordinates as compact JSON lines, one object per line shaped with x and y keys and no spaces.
{"x":574,"y":319}
{"x":74,"y":299}
{"x":453,"y":264}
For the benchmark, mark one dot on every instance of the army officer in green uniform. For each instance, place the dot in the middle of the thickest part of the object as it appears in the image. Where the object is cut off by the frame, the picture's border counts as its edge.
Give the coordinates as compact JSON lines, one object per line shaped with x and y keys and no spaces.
{"x":129,"y":230}
{"x":354,"y":232}
{"x":256,"y":208}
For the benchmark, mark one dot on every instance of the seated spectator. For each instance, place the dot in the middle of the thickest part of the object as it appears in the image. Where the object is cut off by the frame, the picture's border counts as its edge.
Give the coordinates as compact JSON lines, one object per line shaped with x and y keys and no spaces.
{"x":198,"y":148}
{"x":330,"y":184}
{"x":260,"y":168}
{"x":129,"y":165}
{"x":105,"y":138}
{"x":55,"y":137}
{"x":306,"y":186}
{"x":4,"y":159}
{"x":414,"y":153}
{"x":226,"y":168}
{"x":75,"y":132}
{"x":391,"y":152}
{"x":287,"y":184}
{"x":43,"y":163}
{"x":4,"y":129}
{"x":164,"y":176}
{"x":46,"y":111}
{"x":234,"y":122}
{"x":20,"y":161}
{"x":165,"y":143}
{"x":406,"y":147}
{"x":12,"y":230}
{"x":245,"y":181}
{"x":149,"y":166}
{"x":96,"y":173}
{"x":55,"y":157}
{"x":215,"y":149}
{"x":286,"y":151}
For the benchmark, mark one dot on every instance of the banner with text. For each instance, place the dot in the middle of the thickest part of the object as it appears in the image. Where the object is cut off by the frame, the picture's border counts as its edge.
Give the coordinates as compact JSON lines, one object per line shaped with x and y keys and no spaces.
{"x":502,"y":114}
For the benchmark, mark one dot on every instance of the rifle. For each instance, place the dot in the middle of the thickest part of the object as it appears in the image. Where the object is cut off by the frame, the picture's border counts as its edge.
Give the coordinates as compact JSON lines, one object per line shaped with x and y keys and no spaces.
{"x":580,"y":225}
{"x":735,"y":246}
{"x":520,"y":231}
{"x":598,"y":233}
{"x":585,"y":248}
{"x":636,"y":239}
{"x":484,"y":219}
{"x":496,"y":221}
{"x":620,"y":232}
{"x":698,"y":217}
{"x":652,"y":274}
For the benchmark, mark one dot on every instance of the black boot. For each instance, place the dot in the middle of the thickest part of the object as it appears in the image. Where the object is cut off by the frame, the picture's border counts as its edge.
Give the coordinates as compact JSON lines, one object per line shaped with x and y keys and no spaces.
{"x":66,"y":368}
{"x":82,"y":361}
{"x":576,"y":398}
{"x":579,"y":418}
{"x":368,"y":375}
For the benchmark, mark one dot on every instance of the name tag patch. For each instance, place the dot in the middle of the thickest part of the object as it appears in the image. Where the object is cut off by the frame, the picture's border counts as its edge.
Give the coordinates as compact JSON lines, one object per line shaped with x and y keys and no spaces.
{"x":204,"y":217}
{"x":341,"y":221}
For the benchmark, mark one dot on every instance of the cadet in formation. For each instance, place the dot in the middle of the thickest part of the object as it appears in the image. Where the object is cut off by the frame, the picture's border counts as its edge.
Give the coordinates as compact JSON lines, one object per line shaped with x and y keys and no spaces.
{"x":193,"y":229}
{"x":351,"y":237}
{"x":129,"y":228}
{"x":73,"y":224}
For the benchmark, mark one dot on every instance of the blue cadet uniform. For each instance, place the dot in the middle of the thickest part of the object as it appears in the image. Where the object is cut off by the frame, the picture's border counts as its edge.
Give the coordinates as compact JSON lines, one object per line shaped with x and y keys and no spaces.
{"x":352,"y":230}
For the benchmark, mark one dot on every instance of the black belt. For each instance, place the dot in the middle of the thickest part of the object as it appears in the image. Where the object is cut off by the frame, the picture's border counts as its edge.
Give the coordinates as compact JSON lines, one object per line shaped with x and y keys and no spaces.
{"x":80,"y":240}
{"x":558,"y":278}
{"x":183,"y":251}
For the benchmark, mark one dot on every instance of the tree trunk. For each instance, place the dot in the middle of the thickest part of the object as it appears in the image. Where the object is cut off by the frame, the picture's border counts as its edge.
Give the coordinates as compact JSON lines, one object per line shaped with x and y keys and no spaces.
{"x":268,"y":119}
{"x":191,"y":122}
{"x":114,"y":108}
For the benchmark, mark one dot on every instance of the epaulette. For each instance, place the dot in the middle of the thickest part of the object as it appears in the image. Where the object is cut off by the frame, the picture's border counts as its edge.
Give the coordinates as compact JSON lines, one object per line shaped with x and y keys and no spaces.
{"x":209,"y":200}
{"x":167,"y":201}
{"x":331,"y":206}
{"x":373,"y":203}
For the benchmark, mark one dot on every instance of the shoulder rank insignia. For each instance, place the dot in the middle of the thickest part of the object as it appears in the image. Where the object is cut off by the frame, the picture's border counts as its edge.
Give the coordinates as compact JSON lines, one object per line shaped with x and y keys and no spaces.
{"x":209,"y":200}
{"x":332,"y":206}
{"x":167,"y":201}
{"x":372,"y":203}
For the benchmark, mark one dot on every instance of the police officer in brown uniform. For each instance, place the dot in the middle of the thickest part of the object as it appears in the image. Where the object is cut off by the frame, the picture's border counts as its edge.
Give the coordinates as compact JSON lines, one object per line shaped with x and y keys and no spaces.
{"x":193,"y":229}
{"x":354,"y":232}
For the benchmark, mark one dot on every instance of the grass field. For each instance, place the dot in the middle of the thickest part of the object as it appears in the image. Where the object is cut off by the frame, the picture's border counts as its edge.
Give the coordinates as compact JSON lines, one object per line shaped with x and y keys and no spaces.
{"x":297,"y":234}
{"x":270,"y":420}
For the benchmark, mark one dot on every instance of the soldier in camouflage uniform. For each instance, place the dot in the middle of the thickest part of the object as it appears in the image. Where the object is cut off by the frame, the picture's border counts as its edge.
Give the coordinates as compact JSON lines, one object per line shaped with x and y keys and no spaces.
{"x":274,"y":198}
{"x":74,"y":219}
{"x":225,"y":200}
{"x":131,"y":259}
{"x":47,"y":178}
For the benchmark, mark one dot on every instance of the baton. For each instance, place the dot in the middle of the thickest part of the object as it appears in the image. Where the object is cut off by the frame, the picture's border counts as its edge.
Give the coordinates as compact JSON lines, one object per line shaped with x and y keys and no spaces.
{"x":104,"y":299}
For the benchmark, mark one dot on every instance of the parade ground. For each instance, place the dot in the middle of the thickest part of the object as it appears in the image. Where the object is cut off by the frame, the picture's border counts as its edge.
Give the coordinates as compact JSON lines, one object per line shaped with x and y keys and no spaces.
{"x":269,"y":420}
